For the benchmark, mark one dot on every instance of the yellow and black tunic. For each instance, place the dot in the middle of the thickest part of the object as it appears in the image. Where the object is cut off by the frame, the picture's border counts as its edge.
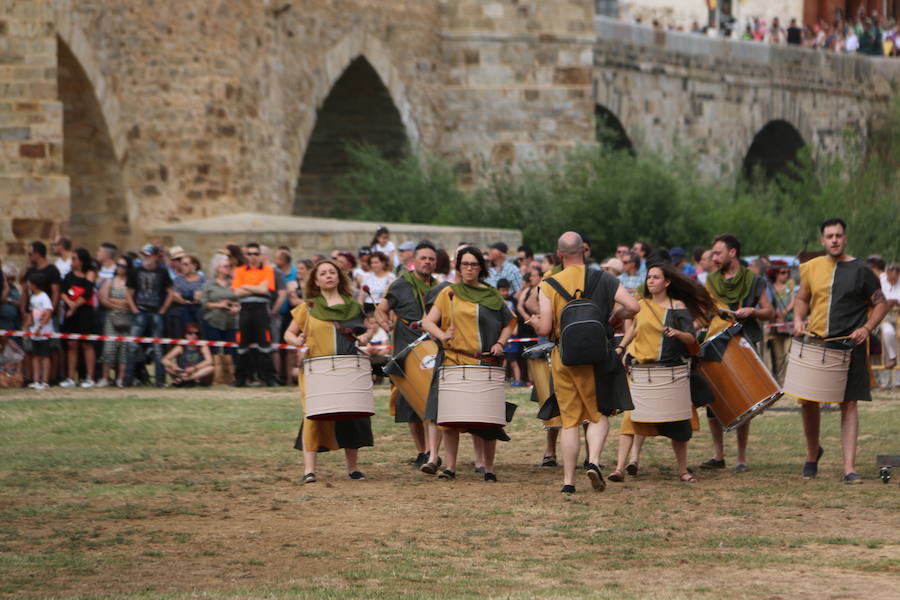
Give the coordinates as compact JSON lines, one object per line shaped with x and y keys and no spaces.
{"x":839,"y":302}
{"x":741,"y":291}
{"x":650,"y":346}
{"x":476,"y":327}
{"x":323,"y":339}
{"x":406,"y":297}
{"x":582,"y":392}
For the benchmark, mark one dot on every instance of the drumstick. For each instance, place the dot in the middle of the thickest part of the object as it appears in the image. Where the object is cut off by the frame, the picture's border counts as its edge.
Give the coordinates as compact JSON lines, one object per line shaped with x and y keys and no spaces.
{"x":368,"y":292}
{"x":837,"y":339}
{"x":450,"y":295}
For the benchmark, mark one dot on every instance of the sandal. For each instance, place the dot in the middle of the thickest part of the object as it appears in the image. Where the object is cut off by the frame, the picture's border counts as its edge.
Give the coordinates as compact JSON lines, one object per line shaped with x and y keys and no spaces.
{"x":447,"y":474}
{"x":429,"y":467}
{"x":549,"y":461}
{"x":616,"y":476}
{"x":687,"y":478}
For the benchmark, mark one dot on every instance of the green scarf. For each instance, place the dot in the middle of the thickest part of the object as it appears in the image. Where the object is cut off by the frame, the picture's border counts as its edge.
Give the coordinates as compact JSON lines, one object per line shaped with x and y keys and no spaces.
{"x":488,"y":297}
{"x":421,"y":287}
{"x":731,"y":291}
{"x":339,"y":312}
{"x":556,"y":269}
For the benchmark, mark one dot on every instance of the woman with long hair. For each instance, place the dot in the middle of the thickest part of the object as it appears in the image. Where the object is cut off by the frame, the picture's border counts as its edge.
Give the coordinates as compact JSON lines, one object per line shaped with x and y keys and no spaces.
{"x":662,"y":336}
{"x":77,"y":293}
{"x":377,"y":280}
{"x":472,"y":322}
{"x":327,"y":308}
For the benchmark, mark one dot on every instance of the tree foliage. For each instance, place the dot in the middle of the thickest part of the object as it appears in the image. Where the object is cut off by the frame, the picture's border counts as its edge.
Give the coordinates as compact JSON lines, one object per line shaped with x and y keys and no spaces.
{"x":615,"y":197}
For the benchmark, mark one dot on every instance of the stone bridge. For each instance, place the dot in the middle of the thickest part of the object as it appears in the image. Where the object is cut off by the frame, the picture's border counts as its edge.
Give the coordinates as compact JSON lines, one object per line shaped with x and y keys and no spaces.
{"x":122,"y":117}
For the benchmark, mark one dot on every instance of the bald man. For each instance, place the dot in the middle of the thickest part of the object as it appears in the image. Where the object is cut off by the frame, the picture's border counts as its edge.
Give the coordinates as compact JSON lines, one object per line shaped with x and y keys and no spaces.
{"x":585,"y":393}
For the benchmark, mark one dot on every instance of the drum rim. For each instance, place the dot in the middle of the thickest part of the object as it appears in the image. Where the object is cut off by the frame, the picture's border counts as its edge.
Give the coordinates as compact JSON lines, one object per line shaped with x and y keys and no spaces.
{"x":471,"y":367}
{"x":755,"y":410}
{"x":818,"y":342}
{"x":723,"y":332}
{"x":333,"y":356}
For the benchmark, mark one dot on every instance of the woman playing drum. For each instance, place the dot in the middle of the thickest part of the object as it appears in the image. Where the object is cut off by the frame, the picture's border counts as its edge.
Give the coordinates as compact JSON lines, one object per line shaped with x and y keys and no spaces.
{"x":662,"y":336}
{"x":323,"y":323}
{"x":472,"y":322}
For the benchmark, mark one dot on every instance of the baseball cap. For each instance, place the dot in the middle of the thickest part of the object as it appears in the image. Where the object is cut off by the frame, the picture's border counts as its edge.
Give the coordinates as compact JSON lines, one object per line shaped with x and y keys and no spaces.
{"x":501,"y":246}
{"x":614,"y":264}
{"x":676,"y":253}
{"x":149,"y":250}
{"x":407,"y":246}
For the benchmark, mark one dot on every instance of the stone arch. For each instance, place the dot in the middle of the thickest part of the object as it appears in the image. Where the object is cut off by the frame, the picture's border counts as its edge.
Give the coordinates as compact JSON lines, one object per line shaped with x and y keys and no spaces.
{"x":774,"y":151}
{"x":65,"y":18}
{"x":361,"y":98}
{"x":609,"y":130}
{"x":98,"y":210}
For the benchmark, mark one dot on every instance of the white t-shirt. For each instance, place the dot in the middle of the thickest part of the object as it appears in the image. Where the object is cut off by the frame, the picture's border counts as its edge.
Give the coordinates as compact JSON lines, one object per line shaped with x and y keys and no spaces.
{"x":377,"y":285}
{"x":63,"y":265}
{"x":891,"y":292}
{"x":38,"y":304}
{"x":389,"y":249}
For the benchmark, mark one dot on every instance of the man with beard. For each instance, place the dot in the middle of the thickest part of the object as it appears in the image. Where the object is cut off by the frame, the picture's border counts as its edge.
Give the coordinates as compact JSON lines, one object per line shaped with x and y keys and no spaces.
{"x":734,"y":287}
{"x":836,"y":292}
{"x":402,"y":307}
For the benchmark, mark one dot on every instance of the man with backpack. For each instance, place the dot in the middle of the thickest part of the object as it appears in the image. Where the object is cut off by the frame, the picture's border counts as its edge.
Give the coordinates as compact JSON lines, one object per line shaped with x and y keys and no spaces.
{"x":578,"y":310}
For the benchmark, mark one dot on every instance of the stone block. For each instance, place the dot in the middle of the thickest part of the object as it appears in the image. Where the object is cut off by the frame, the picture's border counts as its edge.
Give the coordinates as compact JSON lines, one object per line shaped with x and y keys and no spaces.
{"x":15,"y":133}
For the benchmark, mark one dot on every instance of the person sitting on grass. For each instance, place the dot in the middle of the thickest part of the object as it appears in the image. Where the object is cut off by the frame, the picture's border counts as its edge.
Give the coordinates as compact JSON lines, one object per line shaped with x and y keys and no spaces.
{"x":189,"y":365}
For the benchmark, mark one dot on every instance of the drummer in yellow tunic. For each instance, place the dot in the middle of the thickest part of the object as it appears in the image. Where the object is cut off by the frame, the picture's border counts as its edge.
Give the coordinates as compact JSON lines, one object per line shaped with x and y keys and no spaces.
{"x":332,"y":306}
{"x":581,"y":393}
{"x":663,"y":334}
{"x":842,"y":297}
{"x":473,"y":324}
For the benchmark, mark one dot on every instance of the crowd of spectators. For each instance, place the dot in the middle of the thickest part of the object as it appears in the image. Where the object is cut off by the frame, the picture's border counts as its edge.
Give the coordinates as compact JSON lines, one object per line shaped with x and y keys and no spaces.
{"x":168,"y":292}
{"x":871,"y":35}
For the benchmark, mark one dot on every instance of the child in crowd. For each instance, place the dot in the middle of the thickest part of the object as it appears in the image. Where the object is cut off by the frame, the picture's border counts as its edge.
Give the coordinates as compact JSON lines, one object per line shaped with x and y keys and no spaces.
{"x":38,"y":320}
{"x":511,"y":350}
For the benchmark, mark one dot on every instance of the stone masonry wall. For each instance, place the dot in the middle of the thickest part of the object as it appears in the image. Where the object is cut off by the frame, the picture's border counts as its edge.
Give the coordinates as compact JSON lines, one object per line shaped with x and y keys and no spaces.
{"x":683,"y":92}
{"x":517,"y":80}
{"x":33,"y":190}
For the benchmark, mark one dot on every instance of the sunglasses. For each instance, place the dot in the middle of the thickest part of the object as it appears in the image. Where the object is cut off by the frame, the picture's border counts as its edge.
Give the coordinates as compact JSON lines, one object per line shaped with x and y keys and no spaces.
{"x":252,"y":253}
{"x":122,"y":265}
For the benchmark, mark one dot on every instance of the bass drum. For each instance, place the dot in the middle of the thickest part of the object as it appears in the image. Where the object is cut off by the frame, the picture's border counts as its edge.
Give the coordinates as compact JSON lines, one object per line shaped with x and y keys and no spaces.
{"x":741,"y":384}
{"x":412,"y":370}
{"x":338,"y":388}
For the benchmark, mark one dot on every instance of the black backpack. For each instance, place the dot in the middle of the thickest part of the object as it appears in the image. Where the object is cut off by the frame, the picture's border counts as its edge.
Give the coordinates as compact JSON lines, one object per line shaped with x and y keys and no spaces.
{"x":582,"y":325}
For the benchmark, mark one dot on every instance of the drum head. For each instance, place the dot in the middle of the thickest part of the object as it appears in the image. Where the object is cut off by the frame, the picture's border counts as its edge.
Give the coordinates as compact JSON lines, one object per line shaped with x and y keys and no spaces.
{"x":539,"y":351}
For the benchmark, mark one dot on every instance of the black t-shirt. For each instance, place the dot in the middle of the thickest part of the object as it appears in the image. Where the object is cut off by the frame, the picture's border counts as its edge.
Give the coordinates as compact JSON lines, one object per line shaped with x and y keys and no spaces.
{"x":50,"y":273}
{"x":150,"y":287}
{"x":76,"y":286}
{"x":794,"y":36}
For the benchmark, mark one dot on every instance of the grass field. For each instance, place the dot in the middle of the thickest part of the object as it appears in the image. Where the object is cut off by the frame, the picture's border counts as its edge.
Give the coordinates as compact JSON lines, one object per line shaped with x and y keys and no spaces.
{"x":196,"y":494}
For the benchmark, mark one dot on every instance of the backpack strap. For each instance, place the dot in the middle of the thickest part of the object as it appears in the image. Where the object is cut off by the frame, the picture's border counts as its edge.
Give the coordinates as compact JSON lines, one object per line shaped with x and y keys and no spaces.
{"x":559,"y":289}
{"x":591,"y":281}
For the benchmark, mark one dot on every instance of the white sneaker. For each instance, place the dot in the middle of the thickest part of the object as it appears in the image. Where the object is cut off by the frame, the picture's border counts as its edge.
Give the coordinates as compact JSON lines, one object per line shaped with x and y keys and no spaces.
{"x":103,"y":382}
{"x":35,"y":385}
{"x":66,"y":383}
{"x":43,"y":386}
{"x":88,"y":383}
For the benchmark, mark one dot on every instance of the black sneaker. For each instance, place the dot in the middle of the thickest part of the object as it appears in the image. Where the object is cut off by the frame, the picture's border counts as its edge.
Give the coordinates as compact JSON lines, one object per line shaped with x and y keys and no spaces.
{"x":852,"y":478}
{"x":567,"y":489}
{"x":421,"y":459}
{"x":490,"y":477}
{"x":632,"y":469}
{"x":713,"y":464}
{"x":309,"y":478}
{"x":596,"y":477}
{"x":810,"y":467}
{"x":356,"y":475}
{"x":447,"y":474}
